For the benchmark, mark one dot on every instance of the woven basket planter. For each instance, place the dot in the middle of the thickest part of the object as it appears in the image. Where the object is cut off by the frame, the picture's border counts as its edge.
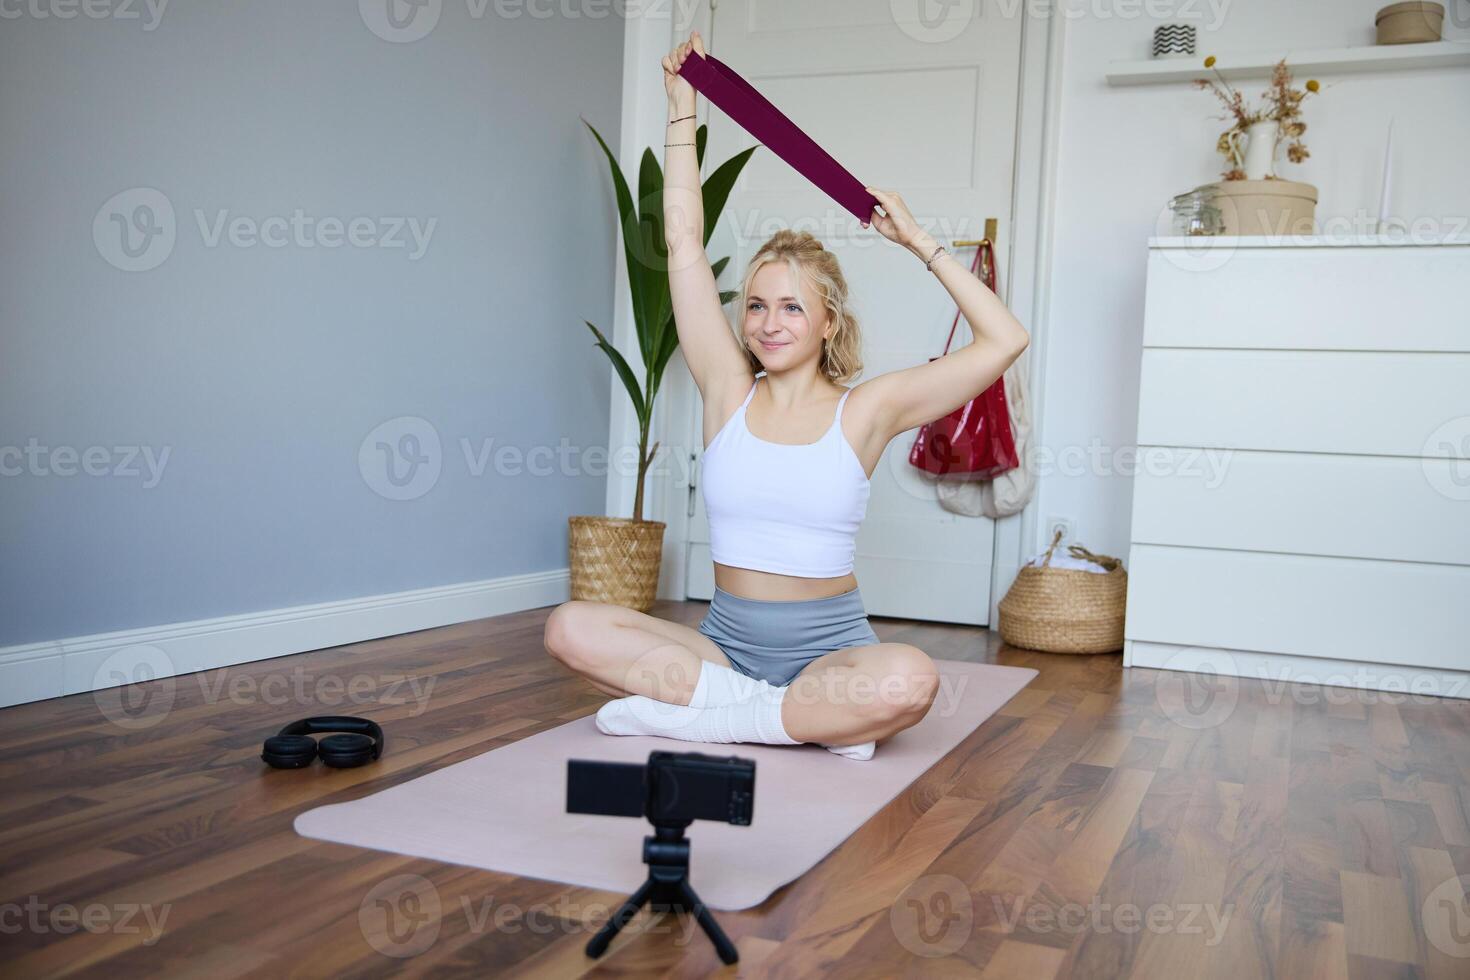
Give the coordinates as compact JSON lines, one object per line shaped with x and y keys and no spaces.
{"x":615,"y":560}
{"x":1065,"y":610}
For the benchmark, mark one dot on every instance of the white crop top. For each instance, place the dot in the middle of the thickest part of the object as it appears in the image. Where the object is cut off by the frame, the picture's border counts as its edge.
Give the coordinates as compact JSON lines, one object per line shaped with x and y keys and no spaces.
{"x":789,"y":509}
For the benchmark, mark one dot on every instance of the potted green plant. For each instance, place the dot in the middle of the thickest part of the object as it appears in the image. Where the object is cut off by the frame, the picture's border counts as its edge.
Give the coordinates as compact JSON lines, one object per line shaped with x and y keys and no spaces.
{"x":616,"y":559}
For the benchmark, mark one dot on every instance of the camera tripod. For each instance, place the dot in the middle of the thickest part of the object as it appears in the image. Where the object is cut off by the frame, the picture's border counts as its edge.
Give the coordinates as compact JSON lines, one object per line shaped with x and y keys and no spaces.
{"x":666,"y":890}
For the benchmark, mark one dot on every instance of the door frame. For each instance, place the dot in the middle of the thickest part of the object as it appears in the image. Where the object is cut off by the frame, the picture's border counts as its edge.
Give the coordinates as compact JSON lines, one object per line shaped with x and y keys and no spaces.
{"x":647,"y":36}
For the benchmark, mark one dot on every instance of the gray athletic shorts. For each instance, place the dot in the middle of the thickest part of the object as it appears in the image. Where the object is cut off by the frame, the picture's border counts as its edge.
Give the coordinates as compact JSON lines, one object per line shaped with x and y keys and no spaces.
{"x":773,"y":639}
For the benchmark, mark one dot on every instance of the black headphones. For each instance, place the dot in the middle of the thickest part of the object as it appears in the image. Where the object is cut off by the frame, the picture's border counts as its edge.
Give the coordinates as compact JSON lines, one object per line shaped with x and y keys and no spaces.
{"x":294,"y":748}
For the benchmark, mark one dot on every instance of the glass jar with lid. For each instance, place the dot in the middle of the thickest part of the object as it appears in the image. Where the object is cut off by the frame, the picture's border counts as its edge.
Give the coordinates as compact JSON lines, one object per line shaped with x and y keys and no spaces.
{"x":1195,"y":213}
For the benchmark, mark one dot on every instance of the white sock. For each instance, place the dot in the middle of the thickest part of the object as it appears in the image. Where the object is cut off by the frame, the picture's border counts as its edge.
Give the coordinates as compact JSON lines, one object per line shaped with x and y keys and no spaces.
{"x":862,"y":752}
{"x":700,"y":697}
{"x":756,"y":720}
{"x":719,"y":685}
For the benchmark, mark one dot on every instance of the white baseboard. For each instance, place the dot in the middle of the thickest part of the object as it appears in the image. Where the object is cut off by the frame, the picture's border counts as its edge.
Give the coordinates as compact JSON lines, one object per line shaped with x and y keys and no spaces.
{"x":36,"y":671}
{"x":1280,"y":668}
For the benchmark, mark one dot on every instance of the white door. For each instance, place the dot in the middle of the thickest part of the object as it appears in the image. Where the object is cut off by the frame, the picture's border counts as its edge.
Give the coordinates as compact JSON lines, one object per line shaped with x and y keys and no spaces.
{"x":926,"y":107}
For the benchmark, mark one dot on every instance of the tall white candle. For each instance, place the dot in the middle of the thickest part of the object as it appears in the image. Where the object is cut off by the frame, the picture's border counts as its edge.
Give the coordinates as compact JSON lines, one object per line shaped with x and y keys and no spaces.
{"x":1387,"y":180}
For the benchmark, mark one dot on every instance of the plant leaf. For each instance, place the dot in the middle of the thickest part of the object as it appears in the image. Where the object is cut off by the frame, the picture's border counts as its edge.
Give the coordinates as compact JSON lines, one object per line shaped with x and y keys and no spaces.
{"x":628,"y":224}
{"x":671,"y":343}
{"x":624,"y":371}
{"x":657,"y":303}
{"x":716,"y":190}
{"x":725,"y":294}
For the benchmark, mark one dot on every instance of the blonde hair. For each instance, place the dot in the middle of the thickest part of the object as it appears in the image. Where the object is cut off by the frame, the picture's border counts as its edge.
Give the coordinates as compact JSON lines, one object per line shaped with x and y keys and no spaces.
{"x":802,"y":252}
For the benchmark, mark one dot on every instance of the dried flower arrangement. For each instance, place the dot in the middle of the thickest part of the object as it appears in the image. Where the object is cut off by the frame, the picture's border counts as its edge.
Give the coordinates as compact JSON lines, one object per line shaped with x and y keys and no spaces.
{"x":1280,"y":102}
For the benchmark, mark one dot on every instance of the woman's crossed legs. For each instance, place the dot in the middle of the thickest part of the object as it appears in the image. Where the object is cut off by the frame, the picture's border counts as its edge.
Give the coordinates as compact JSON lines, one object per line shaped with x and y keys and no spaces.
{"x":844,"y":698}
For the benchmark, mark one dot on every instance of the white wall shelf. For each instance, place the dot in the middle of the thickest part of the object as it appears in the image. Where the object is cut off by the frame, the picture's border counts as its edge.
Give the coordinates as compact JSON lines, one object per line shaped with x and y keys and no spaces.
{"x":1318,"y":61}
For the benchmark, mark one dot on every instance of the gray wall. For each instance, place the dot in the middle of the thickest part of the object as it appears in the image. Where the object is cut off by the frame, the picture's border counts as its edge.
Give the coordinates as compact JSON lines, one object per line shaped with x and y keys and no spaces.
{"x":260,"y":370}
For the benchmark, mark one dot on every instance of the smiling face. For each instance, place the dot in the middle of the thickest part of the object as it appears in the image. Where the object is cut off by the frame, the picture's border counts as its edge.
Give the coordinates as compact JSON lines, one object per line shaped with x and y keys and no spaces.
{"x":784,"y":318}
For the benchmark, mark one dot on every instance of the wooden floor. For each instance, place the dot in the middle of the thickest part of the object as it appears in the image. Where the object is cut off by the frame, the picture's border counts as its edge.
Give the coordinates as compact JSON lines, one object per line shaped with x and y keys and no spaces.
{"x":1103,"y":824}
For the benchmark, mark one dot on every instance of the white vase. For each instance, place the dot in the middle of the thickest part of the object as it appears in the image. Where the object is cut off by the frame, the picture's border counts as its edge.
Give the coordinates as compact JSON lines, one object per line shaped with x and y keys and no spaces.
{"x":1260,"y":150}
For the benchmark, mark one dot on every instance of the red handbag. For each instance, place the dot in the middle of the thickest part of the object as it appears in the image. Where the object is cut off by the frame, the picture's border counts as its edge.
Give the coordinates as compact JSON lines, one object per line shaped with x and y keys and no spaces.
{"x":975,"y":441}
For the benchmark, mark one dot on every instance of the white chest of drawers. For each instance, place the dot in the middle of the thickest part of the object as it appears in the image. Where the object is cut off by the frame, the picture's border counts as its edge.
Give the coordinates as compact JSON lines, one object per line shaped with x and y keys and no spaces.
{"x":1301,"y":509}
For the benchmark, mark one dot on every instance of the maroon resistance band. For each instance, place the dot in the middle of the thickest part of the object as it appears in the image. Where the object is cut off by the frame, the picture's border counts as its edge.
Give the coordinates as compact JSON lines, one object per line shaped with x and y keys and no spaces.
{"x":739,"y":100}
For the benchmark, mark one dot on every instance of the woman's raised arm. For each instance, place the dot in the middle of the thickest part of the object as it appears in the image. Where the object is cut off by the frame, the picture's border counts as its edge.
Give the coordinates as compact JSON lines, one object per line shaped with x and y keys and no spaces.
{"x":909,"y":397}
{"x":714,"y":357}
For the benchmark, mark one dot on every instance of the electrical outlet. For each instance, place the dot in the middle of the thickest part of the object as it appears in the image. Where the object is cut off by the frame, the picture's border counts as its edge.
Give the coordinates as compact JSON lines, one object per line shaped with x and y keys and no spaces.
{"x":1063,"y":524}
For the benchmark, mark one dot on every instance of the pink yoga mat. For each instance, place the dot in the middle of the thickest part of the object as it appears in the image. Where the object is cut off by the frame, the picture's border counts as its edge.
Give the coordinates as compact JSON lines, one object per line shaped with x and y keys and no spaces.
{"x":504,"y":810}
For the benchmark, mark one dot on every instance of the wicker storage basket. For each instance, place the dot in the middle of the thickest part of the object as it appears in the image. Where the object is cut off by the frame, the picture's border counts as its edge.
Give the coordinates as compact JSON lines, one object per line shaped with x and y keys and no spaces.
{"x":1066,"y":610}
{"x":615,"y":559}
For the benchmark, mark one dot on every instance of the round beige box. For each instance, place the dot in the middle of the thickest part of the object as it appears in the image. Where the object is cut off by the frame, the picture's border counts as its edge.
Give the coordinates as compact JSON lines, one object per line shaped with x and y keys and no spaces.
{"x":1264,"y":207}
{"x":1410,"y":23}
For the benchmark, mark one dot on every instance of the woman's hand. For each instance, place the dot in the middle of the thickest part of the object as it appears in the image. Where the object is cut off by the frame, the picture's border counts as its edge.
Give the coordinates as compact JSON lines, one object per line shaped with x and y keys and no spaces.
{"x":898,"y":225}
{"x":678,"y":88}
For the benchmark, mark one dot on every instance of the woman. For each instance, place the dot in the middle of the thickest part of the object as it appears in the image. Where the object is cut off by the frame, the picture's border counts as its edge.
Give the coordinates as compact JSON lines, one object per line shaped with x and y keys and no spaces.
{"x":785,"y":654}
